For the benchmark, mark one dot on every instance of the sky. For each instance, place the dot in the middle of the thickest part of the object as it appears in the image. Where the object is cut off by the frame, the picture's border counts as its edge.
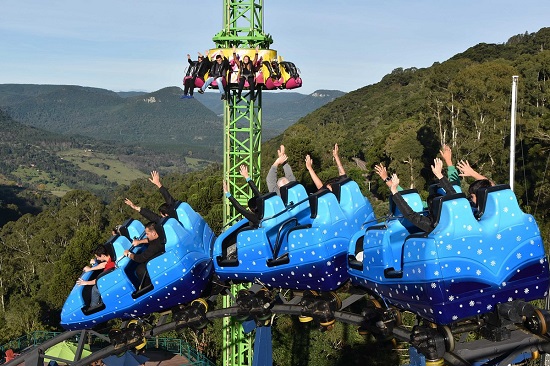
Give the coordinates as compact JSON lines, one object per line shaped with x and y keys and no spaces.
{"x":137,"y":45}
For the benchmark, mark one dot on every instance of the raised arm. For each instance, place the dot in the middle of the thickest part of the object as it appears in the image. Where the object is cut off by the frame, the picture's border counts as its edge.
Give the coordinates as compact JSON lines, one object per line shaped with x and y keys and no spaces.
{"x":271,"y":178}
{"x":148,"y":214}
{"x":235,"y":58}
{"x":437,"y":169}
{"x":244,"y":172}
{"x":447,"y":155}
{"x":309,"y":166}
{"x":155,"y":179}
{"x":249,"y":215}
{"x":255,"y":57}
{"x":422,"y":222}
{"x":380,"y":169}
{"x":467,"y":171}
{"x":336,"y":157}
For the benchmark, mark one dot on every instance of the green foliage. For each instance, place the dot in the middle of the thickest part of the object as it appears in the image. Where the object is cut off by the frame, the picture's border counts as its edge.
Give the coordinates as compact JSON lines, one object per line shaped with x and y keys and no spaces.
{"x":401,"y":121}
{"x":76,"y":110}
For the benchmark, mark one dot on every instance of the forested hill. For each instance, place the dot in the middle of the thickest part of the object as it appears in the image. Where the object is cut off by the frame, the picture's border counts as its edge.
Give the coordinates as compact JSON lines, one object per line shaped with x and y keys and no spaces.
{"x":464,"y":102}
{"x":280,"y":109}
{"x":35,"y":163}
{"x":157,"y":120}
{"x":400,"y":121}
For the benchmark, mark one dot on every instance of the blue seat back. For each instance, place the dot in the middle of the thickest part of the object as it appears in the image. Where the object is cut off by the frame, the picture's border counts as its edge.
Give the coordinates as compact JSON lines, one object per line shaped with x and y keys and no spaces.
{"x":414,"y":201}
{"x":295,"y":194}
{"x":175,"y":233}
{"x":325,"y":209}
{"x":270,"y":205}
{"x":356,"y":207}
{"x":194,"y":223}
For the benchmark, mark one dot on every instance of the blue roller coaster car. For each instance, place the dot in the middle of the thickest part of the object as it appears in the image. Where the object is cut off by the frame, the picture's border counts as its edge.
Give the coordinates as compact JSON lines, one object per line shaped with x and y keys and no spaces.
{"x":466,"y":266}
{"x":178,"y":275}
{"x":301,"y":242}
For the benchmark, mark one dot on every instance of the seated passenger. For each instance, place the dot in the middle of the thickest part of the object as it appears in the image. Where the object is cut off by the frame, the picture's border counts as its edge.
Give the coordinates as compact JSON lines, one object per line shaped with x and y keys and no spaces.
{"x":250,"y":214}
{"x":425,"y":223}
{"x":446,"y":154}
{"x":155,"y":245}
{"x":318,"y":183}
{"x":247,"y":72}
{"x":105,"y":263}
{"x":273,"y":184}
{"x":217,"y":72}
{"x":480,"y":182}
{"x":167,"y":209}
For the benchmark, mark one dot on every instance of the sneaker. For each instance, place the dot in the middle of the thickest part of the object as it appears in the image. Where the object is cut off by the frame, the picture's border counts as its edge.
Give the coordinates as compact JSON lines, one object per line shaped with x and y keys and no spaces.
{"x":201,"y":91}
{"x":190,"y":97}
{"x":223,"y":97}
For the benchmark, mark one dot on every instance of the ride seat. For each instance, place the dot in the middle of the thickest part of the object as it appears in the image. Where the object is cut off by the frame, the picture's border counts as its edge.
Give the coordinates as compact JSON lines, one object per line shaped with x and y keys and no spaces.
{"x":449,"y":210}
{"x":187,"y":216}
{"x":132,"y":229}
{"x":414,"y":201}
{"x":353,"y":203}
{"x":174,"y":233}
{"x":499,"y":212}
{"x":325,"y":209}
{"x":486,"y":203}
{"x":268,"y":206}
{"x":295,"y":197}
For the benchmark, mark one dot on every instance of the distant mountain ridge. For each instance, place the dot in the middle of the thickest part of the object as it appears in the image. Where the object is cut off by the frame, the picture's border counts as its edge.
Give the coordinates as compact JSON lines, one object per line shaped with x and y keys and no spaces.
{"x":157,"y":120}
{"x":281,"y":109}
{"x":154,"y":120}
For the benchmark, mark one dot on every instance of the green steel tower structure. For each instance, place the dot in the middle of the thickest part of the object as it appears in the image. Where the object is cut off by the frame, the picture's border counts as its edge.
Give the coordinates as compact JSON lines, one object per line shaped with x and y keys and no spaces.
{"x":243,"y":28}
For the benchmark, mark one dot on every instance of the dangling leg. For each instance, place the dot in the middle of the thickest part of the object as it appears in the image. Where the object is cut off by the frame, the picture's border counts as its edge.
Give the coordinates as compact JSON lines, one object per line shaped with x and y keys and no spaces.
{"x":191,"y":87}
{"x":252,"y":87}
{"x":221,"y":88}
{"x":241,"y":86}
{"x":96,"y":297}
{"x":143,"y":275}
{"x":185,"y":88}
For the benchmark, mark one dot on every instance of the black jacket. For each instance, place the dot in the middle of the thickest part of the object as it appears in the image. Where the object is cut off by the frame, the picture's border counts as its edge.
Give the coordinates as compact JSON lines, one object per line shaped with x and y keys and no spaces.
{"x":170,"y":201}
{"x":154,"y":248}
{"x":219,"y":69}
{"x":425,"y":223}
{"x":198,"y":69}
{"x":249,"y":215}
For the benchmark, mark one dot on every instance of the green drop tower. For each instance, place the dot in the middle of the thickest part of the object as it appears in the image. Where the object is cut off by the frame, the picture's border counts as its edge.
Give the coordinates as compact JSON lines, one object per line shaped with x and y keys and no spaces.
{"x":242,"y":27}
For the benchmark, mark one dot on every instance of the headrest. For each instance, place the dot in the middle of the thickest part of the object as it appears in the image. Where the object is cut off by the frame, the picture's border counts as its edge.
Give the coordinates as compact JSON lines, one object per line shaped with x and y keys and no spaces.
{"x":123,"y":229}
{"x":337,"y":185}
{"x":260,"y":204}
{"x":284,"y":191}
{"x":394,"y":211}
{"x":437,"y":204}
{"x":313,"y":201}
{"x":110,"y":248}
{"x":482,"y":195}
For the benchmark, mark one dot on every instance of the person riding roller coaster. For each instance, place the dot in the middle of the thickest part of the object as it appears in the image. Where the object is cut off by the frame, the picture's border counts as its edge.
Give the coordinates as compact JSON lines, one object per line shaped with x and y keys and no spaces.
{"x":167,"y":209}
{"x":155,"y":242}
{"x":425,"y":223}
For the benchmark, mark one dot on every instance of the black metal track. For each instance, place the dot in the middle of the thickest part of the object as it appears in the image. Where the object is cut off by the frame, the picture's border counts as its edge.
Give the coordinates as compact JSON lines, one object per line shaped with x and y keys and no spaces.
{"x":464,"y":353}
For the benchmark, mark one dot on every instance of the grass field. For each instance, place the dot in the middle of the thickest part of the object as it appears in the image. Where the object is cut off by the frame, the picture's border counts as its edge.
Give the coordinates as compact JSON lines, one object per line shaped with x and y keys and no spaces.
{"x":42,"y":180}
{"x":103,"y":165}
{"x":196,"y":164}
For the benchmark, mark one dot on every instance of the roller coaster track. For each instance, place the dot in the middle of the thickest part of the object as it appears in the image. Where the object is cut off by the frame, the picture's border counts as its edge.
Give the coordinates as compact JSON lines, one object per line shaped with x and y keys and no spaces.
{"x":514,"y":335}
